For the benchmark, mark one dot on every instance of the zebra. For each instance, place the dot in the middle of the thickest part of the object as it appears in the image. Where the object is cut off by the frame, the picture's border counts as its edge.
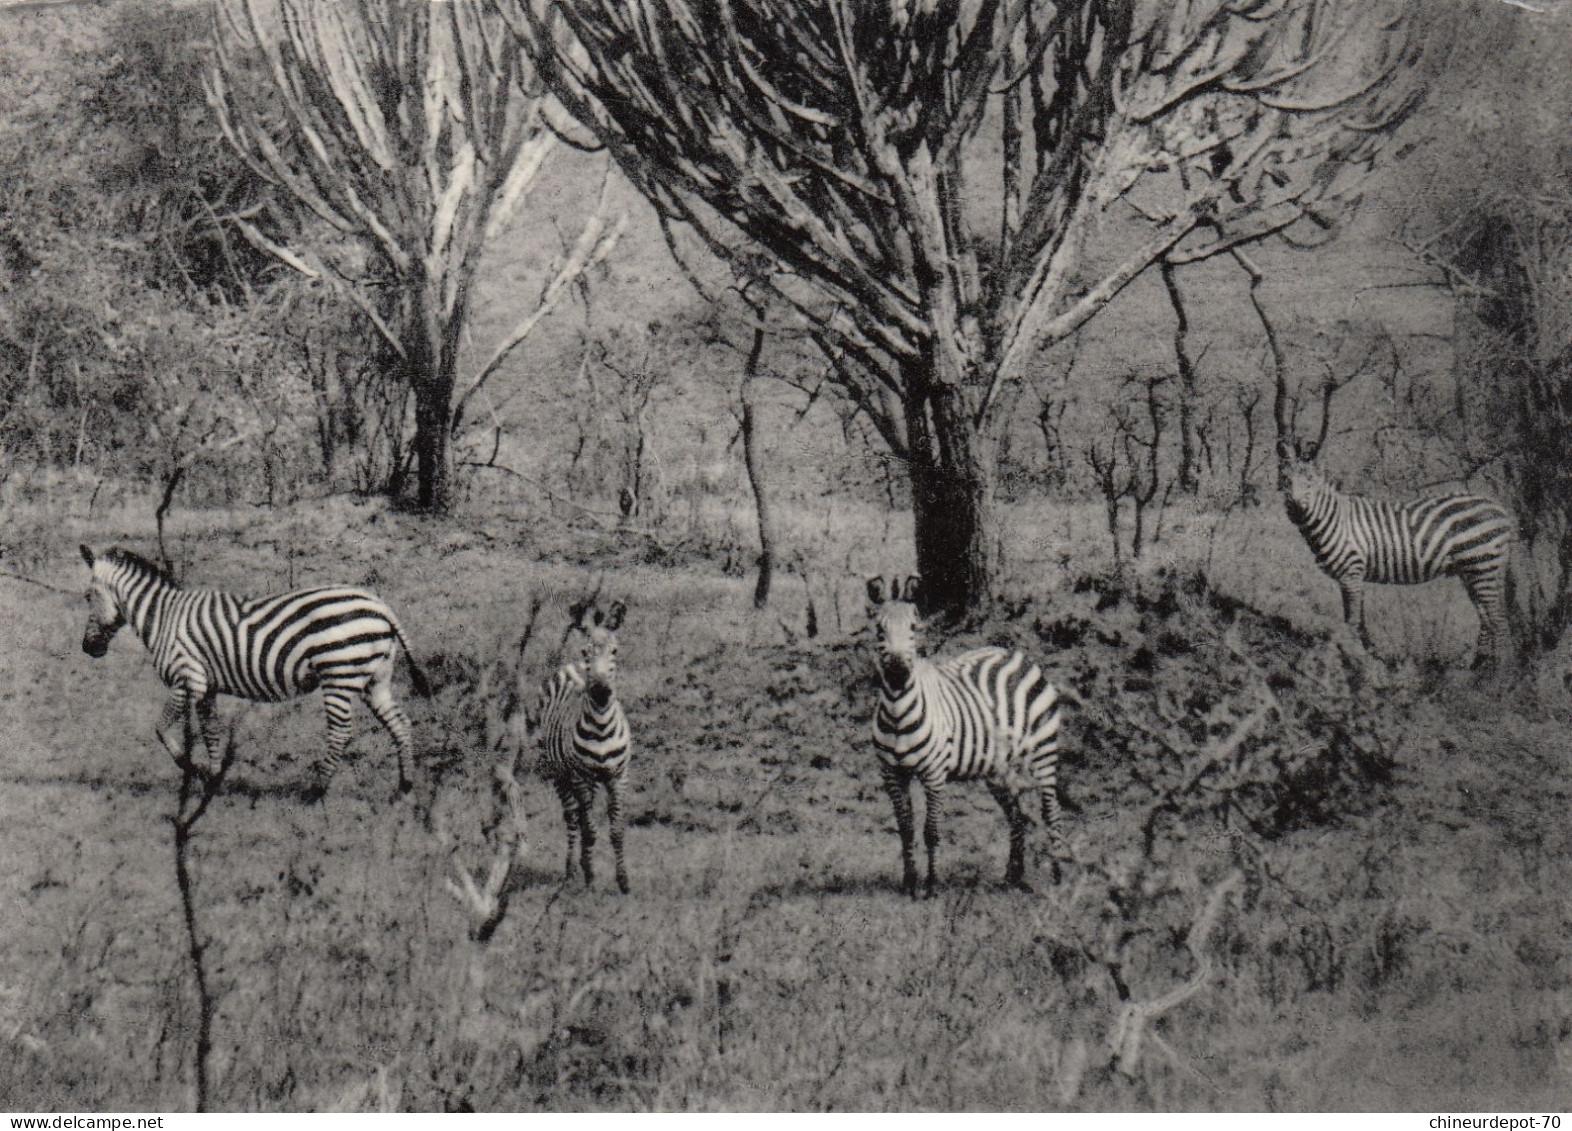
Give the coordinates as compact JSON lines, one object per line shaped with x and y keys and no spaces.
{"x":988,"y":713}
{"x":584,"y":735}
{"x":266,"y":649}
{"x":1355,"y":540}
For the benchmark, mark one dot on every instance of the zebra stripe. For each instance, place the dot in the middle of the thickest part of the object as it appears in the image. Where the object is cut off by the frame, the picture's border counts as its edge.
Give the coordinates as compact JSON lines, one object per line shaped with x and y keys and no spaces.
{"x":988,"y":713}
{"x":207,"y":643}
{"x":1355,"y":540}
{"x":585,"y":742}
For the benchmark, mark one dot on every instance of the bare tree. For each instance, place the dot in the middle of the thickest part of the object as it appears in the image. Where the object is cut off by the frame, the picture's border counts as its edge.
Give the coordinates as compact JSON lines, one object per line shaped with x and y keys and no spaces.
{"x":643,"y":492}
{"x":859,"y":147}
{"x":197,"y":790}
{"x":485,"y":894}
{"x":1246,"y":401}
{"x":1188,"y":479}
{"x":1128,"y":466}
{"x":754,"y":317}
{"x":753,"y":458}
{"x":1287,"y":399}
{"x":410,"y":131}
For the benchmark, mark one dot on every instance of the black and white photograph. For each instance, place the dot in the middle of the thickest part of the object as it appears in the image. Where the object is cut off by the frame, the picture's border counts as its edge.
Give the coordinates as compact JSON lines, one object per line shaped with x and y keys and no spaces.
{"x":786,"y":556}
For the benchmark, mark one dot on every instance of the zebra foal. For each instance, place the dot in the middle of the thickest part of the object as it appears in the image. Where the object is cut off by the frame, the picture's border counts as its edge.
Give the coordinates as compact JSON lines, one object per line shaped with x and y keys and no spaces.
{"x":1355,"y":540}
{"x":207,"y":643}
{"x":987,"y":713}
{"x":585,"y":742}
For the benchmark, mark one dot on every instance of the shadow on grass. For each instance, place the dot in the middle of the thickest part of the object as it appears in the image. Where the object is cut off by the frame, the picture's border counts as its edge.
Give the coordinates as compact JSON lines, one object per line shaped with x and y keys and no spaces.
{"x":965,"y":886}
{"x":298,"y":792}
{"x":132,"y":786}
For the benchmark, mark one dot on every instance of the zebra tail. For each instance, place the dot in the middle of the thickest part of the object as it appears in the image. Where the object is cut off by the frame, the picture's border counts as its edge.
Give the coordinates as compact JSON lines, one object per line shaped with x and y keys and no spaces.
{"x":417,"y":677}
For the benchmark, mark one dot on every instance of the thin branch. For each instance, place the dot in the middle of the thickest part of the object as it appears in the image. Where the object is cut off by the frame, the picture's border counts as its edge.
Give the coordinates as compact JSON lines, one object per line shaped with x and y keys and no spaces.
{"x":592,"y":247}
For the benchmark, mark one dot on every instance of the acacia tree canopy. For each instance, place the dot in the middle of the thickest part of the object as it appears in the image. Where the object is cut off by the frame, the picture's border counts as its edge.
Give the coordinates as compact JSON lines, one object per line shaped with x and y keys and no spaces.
{"x":929,"y":175}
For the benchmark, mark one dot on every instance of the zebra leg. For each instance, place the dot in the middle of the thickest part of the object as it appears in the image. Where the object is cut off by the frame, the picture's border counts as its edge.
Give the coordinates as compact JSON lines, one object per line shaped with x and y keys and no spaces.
{"x":379,"y":697}
{"x":933,"y":794}
{"x":212,"y":733}
{"x":570,"y":818}
{"x":614,"y":816}
{"x":899,"y":789}
{"x":336,"y":703}
{"x":1486,"y":591}
{"x":177,"y":710}
{"x":1015,"y":871}
{"x":1353,"y":587}
{"x":1048,"y":790}
{"x":586,"y":806}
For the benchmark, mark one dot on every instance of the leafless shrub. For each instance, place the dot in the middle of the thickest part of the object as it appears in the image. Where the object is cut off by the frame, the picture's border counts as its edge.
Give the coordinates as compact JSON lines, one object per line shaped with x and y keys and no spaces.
{"x":484,"y":895}
{"x":1127,"y":465}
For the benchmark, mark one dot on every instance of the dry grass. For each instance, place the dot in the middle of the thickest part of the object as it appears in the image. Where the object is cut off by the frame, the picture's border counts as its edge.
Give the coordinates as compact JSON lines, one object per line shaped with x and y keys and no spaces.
{"x":1401,"y":943}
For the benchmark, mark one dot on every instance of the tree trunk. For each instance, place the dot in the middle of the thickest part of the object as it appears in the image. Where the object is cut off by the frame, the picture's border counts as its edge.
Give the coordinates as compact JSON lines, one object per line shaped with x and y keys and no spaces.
{"x":431,"y":367}
{"x":1189,"y":473}
{"x":954,"y":503}
{"x":1287,"y":442}
{"x":433,"y":470}
{"x":752,"y":458}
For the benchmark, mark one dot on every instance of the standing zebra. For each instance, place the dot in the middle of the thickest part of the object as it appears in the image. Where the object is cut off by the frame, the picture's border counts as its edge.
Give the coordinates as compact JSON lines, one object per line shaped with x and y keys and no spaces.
{"x":266,"y":649}
{"x":987,"y":713}
{"x":1355,"y":540}
{"x":584,"y":735}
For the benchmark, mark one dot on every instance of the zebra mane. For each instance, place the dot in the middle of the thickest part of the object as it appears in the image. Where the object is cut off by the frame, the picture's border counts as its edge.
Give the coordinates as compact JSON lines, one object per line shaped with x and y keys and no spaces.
{"x":138,"y":564}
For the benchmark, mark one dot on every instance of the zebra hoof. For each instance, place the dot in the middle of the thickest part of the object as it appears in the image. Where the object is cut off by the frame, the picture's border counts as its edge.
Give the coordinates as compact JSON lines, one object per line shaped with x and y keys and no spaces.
{"x":622,"y":885}
{"x":314,"y":793}
{"x":1020,"y":883}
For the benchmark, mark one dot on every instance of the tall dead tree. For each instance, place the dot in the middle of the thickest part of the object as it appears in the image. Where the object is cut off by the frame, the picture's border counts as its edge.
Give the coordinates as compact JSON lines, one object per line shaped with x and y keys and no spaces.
{"x":1188,"y":479}
{"x":753,"y":459}
{"x":928,"y":176}
{"x":409,"y":132}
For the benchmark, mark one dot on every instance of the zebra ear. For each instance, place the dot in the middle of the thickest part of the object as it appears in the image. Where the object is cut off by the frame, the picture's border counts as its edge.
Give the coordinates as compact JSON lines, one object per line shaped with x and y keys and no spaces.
{"x":87,"y":554}
{"x":615,"y":615}
{"x":577,"y":611}
{"x":876,"y":590}
{"x":913,"y":584}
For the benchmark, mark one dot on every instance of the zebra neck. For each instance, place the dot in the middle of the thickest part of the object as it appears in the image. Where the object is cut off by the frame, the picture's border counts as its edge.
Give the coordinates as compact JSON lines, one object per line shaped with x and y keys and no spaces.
{"x":899,"y":698}
{"x":903,"y":722}
{"x":144,"y":606}
{"x":604,"y":717}
{"x":1320,"y":518}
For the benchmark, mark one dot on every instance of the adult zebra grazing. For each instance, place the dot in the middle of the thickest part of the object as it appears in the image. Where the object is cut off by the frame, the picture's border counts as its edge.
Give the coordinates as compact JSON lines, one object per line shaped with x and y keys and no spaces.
{"x":982,"y":714}
{"x":1355,"y":540}
{"x":584,"y":736}
{"x":206,"y":643}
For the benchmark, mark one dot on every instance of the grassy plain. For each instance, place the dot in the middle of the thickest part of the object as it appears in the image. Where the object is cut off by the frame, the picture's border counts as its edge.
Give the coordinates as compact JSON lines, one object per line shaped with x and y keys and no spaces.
{"x":1386,"y":850}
